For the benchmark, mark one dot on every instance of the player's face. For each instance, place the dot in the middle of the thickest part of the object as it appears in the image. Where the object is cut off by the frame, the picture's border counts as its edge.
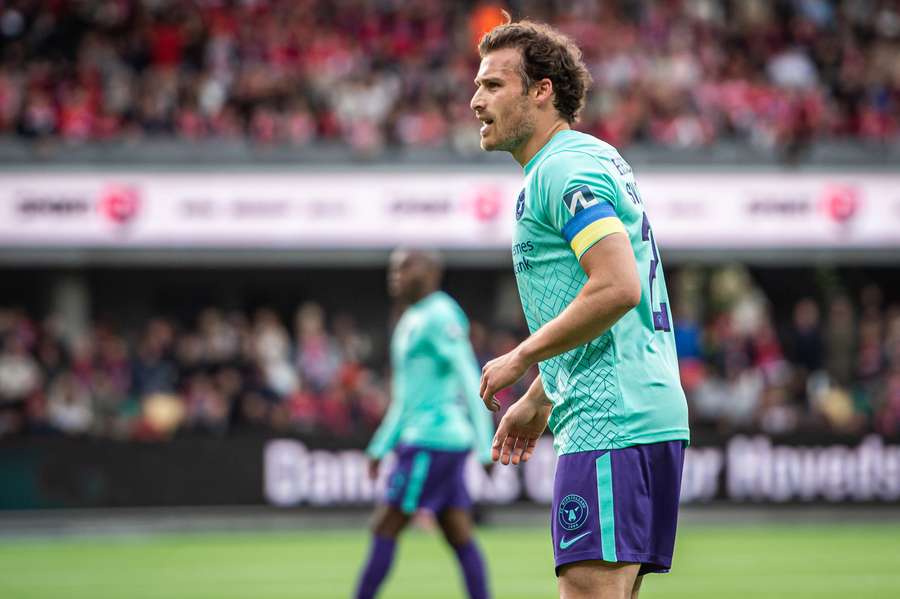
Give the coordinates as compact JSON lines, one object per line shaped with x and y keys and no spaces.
{"x":501,"y":103}
{"x":405,"y":276}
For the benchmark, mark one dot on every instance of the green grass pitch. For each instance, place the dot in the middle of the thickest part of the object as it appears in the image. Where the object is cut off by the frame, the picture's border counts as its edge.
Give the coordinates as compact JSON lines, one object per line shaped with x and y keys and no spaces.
{"x":791,"y":561}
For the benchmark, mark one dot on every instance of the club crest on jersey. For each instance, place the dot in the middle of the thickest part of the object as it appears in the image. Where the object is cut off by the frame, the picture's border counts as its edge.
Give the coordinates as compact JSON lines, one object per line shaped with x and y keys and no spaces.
{"x":520,"y":205}
{"x":573,"y":511}
{"x":578,"y":199}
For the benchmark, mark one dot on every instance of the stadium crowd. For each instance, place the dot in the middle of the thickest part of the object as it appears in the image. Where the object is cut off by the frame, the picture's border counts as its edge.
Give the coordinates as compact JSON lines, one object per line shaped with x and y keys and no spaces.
{"x":832,"y":367}
{"x":228,"y":372}
{"x":383,"y":74}
{"x":829,"y":366}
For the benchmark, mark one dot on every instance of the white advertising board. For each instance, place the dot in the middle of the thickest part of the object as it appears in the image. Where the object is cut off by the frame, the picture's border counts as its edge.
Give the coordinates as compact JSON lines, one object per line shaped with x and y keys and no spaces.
{"x":353,"y":210}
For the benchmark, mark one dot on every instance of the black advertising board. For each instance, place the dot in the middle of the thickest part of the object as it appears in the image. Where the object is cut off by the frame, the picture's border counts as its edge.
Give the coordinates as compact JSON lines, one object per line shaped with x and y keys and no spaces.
{"x":291,"y":472}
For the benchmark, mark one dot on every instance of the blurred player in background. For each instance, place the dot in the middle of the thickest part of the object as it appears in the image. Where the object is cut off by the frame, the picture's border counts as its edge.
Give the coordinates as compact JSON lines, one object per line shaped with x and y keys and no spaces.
{"x":434,"y":420}
{"x":593,"y":293}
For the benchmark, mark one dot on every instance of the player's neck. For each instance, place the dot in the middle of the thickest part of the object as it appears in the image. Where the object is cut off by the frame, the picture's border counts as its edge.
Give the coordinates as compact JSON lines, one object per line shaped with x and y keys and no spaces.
{"x":420,"y":296}
{"x":538,"y":140}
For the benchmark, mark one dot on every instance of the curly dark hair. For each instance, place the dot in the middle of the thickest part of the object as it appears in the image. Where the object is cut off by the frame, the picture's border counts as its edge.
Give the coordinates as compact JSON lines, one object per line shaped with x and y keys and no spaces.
{"x":546,"y":54}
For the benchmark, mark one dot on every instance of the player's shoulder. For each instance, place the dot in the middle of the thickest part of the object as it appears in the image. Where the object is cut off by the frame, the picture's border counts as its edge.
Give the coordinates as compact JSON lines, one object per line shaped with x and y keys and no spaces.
{"x":574,"y":153}
{"x":442,"y":307}
{"x":446,"y":319}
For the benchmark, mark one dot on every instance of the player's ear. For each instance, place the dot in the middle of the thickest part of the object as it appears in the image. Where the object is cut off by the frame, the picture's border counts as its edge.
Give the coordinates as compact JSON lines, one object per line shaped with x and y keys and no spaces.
{"x":543,"y":90}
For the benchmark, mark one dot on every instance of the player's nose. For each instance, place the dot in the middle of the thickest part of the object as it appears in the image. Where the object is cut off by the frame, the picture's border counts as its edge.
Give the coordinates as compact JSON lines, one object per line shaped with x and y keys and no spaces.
{"x":477,"y":102}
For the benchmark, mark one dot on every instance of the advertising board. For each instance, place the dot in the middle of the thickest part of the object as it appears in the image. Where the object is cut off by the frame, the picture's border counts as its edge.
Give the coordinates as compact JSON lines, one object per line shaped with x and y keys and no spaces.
{"x":359,"y":210}
{"x":293,"y":472}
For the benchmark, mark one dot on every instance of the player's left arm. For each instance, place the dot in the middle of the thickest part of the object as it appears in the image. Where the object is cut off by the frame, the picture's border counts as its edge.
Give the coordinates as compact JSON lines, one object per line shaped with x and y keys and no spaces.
{"x":581,"y":197}
{"x":385,"y":438}
{"x":612,"y":289}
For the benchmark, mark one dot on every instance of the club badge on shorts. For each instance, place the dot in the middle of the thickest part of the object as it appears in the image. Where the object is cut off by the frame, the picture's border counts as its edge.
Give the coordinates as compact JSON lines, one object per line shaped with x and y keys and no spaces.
{"x":573,"y":511}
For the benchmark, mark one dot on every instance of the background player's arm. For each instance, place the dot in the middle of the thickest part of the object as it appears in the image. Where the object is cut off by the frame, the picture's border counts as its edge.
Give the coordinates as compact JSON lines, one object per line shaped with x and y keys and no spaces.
{"x":612,"y":289}
{"x":469,"y":375}
{"x":457,"y":350}
{"x":387,"y":434}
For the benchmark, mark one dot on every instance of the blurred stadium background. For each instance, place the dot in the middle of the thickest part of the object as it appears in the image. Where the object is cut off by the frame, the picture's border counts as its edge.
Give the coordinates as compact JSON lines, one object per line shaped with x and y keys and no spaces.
{"x":197,"y":200}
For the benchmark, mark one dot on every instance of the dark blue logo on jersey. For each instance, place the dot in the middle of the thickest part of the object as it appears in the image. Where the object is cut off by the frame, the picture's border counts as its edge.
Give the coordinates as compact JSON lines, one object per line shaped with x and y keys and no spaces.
{"x":578,"y":199}
{"x":520,"y":205}
{"x":573,"y":511}
{"x":621,"y":166}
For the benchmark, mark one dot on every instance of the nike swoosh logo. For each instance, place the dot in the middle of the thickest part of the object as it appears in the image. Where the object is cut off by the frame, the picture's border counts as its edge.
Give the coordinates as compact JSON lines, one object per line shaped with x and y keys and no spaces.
{"x":566,"y":543}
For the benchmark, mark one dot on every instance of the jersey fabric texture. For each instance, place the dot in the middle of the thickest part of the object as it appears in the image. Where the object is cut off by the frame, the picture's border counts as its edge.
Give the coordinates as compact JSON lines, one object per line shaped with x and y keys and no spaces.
{"x":623,"y":388}
{"x":435,"y":401}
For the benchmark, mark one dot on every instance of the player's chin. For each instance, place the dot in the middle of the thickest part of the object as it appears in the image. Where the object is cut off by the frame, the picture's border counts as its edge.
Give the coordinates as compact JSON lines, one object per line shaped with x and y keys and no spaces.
{"x":488,"y":145}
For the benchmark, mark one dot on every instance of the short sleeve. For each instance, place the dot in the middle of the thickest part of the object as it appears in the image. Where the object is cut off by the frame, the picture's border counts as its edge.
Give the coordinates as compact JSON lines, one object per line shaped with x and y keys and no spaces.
{"x":580,"y":198}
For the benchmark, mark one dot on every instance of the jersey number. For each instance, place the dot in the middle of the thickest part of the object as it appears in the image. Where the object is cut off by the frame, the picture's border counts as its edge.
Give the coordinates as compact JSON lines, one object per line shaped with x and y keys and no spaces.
{"x":660,"y":318}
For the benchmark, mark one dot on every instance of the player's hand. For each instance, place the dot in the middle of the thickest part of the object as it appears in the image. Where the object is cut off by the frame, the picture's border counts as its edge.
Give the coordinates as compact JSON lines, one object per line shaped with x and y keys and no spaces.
{"x":519,"y":430}
{"x":373,"y":468}
{"x":498,"y":374}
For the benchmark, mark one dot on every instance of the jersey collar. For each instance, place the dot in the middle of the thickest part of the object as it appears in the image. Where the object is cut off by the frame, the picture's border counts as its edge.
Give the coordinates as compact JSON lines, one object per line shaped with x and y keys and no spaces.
{"x":428,"y":298}
{"x":557,"y":138}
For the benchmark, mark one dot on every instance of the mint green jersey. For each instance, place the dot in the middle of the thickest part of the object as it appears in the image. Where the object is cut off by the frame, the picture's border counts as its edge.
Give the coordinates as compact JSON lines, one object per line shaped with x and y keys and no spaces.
{"x":622,"y":388}
{"x":435,"y":387}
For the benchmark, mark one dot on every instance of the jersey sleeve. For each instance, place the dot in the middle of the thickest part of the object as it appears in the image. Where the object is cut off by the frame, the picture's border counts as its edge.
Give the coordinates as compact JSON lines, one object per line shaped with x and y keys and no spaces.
{"x":388,"y":431}
{"x":452,"y":338}
{"x":580,"y":199}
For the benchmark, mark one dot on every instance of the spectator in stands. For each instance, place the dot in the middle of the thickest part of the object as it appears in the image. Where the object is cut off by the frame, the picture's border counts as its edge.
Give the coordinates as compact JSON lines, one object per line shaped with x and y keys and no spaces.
{"x":221,"y":336}
{"x":888,"y":415}
{"x":317,"y":358}
{"x":729,"y":400}
{"x":207,"y":407}
{"x":69,"y":407}
{"x":20,"y":375}
{"x":352,"y":345}
{"x":152,"y":371}
{"x":805,"y":336}
{"x":272,"y":348}
{"x":840,"y":340}
{"x":303,"y":410}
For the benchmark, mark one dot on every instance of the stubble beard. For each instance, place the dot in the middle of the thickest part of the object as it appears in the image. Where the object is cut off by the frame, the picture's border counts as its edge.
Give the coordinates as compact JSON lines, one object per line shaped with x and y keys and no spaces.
{"x":521,"y":129}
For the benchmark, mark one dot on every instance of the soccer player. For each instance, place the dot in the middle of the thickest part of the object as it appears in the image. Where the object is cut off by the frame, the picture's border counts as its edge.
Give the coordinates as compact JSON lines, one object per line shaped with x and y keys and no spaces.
{"x":594,"y":296}
{"x":435,"y":418}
